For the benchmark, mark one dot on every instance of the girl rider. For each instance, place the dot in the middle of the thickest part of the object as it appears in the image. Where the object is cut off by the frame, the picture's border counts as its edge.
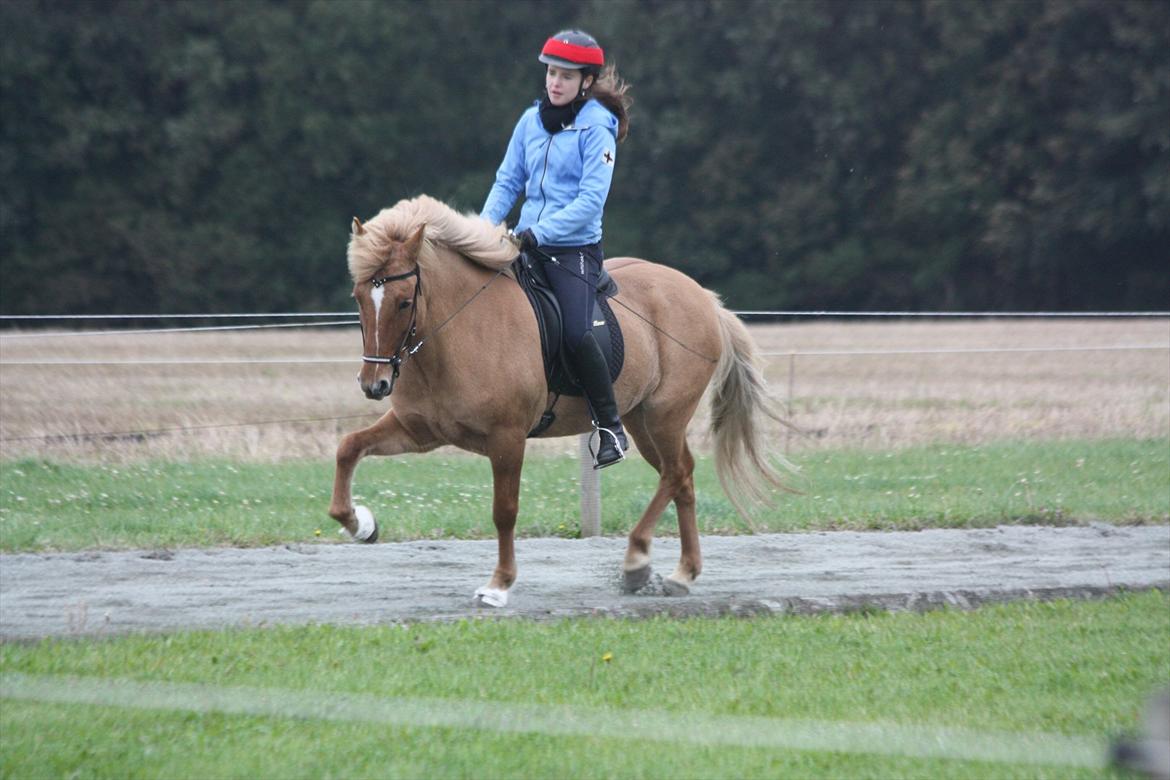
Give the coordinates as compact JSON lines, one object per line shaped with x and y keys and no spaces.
{"x":561,"y":157}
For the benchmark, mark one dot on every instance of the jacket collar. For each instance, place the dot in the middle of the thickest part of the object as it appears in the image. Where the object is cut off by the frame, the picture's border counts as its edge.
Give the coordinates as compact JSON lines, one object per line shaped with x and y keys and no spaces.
{"x":592,"y":114}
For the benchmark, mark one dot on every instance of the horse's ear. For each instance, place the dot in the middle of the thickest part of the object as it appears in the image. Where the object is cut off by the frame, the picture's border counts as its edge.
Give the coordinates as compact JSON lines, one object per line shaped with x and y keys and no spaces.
{"x":357,"y":227}
{"x":414,"y":243}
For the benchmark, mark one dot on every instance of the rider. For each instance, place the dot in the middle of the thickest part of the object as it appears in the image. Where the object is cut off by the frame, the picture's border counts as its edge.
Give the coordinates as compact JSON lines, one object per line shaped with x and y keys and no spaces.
{"x":561,"y":157}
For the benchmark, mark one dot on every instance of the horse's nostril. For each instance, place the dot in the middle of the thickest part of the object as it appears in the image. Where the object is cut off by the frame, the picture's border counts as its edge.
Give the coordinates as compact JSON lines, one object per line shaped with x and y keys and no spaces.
{"x":382,"y":389}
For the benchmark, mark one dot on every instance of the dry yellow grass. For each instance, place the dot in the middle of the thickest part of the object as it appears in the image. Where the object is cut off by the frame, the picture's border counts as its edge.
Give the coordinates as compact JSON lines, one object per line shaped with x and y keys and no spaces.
{"x":890,"y":400}
{"x":872,"y":400}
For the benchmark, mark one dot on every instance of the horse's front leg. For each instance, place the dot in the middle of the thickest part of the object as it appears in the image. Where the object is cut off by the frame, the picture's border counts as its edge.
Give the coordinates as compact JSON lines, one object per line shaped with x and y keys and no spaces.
{"x":385,"y":437}
{"x":506,"y":452}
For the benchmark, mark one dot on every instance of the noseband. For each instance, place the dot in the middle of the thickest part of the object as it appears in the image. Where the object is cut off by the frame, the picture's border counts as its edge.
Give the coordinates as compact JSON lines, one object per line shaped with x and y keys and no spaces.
{"x":395,"y":359}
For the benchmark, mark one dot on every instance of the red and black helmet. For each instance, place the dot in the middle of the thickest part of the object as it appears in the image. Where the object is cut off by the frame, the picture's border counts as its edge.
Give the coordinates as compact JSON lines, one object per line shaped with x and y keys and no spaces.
{"x":573,"y":49}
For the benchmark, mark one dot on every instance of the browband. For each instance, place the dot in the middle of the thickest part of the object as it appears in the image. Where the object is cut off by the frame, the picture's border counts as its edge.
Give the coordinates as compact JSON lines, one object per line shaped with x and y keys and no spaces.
{"x":379,"y":281}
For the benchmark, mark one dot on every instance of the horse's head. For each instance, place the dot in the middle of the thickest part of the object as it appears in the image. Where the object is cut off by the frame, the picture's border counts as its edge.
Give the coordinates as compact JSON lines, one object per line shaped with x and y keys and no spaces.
{"x":387,"y":295}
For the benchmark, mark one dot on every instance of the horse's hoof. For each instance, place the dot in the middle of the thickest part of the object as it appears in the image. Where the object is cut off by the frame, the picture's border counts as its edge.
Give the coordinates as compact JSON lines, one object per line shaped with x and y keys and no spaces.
{"x":673,"y":587}
{"x":367,"y":530}
{"x":636,"y":579}
{"x":491,"y":597}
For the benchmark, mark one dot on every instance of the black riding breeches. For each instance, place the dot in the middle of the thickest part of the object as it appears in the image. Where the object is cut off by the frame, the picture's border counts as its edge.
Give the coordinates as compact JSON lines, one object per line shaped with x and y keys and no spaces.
{"x":573,"y":278}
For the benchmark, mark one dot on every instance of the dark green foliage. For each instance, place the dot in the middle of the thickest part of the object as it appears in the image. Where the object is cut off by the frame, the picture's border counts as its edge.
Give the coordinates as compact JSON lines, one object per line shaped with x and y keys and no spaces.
{"x":207,"y":156}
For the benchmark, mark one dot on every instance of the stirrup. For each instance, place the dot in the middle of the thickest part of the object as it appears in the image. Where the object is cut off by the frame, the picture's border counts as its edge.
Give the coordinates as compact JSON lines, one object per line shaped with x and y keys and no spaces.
{"x":617,"y":445}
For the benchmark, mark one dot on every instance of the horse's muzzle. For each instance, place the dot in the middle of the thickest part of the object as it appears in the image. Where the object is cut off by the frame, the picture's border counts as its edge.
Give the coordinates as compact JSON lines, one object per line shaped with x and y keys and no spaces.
{"x":377,"y":390}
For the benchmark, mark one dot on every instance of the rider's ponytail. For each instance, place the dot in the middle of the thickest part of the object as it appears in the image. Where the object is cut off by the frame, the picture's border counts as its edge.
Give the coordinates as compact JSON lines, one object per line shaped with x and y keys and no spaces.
{"x":610,"y":90}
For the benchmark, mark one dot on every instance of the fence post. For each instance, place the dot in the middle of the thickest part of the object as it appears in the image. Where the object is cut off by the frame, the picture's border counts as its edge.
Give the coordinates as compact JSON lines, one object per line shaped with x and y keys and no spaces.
{"x":590,"y":490}
{"x":788,"y":404}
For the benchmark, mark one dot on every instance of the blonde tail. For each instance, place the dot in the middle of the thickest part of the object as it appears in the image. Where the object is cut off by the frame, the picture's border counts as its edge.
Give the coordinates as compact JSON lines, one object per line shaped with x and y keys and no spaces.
{"x":740,"y":407}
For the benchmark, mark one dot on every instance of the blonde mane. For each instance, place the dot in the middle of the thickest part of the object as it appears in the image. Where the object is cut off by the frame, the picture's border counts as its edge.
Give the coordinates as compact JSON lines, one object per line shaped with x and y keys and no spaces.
{"x":467,"y":234}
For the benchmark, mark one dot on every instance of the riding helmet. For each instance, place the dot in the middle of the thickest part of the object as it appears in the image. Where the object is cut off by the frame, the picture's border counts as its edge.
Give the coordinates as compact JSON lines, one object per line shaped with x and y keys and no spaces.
{"x":573,"y":49}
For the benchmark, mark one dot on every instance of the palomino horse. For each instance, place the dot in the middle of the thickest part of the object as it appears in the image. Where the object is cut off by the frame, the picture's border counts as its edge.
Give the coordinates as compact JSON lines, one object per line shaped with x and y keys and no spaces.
{"x":436,"y":306}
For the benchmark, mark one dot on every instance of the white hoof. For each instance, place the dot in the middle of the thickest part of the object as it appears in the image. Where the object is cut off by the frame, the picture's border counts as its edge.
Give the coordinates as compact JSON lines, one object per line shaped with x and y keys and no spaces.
{"x":367,"y":531}
{"x":491,"y":597}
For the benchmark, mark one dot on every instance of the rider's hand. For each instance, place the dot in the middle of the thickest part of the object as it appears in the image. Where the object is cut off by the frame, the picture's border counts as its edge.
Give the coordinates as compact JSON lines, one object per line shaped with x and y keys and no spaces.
{"x":527,"y":239}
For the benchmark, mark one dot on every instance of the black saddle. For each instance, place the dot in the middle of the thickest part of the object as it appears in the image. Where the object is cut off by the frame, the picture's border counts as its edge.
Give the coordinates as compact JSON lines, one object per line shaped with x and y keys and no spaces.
{"x":530,"y":274}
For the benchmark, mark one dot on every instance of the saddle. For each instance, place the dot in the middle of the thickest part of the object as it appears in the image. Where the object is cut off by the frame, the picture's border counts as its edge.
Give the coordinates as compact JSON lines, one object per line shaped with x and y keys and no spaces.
{"x":530,"y":275}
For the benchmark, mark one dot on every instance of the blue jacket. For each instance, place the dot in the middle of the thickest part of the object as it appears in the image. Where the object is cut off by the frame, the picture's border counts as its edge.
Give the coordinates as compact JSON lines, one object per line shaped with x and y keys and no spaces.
{"x":565,"y":177}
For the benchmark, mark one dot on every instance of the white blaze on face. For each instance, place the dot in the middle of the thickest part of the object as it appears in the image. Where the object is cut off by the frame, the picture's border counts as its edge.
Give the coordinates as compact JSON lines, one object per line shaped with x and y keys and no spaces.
{"x":376,"y":296}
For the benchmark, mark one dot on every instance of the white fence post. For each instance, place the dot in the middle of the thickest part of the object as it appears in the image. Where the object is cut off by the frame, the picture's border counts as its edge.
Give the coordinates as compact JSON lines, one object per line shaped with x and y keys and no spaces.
{"x":590,"y":490}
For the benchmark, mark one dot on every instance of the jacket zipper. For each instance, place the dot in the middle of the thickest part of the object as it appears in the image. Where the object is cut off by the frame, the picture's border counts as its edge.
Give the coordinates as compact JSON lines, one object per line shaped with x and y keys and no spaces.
{"x":543,"y":173}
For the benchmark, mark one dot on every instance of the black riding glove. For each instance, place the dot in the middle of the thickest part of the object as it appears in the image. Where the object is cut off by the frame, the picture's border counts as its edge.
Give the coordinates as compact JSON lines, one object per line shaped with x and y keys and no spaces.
{"x":527,"y":239}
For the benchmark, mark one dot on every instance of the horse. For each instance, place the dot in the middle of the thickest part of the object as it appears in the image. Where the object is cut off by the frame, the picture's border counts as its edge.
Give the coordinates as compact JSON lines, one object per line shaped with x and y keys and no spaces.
{"x":448,"y":331}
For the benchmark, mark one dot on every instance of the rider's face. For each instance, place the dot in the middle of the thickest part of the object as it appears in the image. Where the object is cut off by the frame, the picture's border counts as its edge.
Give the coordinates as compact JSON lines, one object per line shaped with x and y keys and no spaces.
{"x":563,"y":84}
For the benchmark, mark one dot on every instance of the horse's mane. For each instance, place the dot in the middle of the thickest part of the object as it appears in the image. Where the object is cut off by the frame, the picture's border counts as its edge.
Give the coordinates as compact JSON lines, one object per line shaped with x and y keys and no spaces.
{"x":467,"y":234}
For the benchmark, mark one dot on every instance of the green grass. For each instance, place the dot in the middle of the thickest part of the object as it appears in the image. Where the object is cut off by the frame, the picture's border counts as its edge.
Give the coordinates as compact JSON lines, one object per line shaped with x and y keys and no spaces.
{"x":57,"y":506}
{"x":1078,"y":668}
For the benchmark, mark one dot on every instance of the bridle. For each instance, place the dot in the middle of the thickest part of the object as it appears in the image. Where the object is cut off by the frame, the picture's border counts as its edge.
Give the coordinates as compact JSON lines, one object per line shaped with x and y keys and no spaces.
{"x":395,"y":359}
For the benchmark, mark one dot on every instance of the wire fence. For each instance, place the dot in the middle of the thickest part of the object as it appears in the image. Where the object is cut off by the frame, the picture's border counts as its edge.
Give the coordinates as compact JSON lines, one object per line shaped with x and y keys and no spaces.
{"x":781,"y":353}
{"x":350,"y":320}
{"x":17,"y":319}
{"x":741,"y":313}
{"x":145,"y":331}
{"x":148,"y":432}
{"x":790,"y":354}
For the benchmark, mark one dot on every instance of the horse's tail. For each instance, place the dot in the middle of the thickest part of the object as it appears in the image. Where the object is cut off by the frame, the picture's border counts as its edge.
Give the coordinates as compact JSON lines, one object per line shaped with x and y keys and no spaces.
{"x":745,"y":461}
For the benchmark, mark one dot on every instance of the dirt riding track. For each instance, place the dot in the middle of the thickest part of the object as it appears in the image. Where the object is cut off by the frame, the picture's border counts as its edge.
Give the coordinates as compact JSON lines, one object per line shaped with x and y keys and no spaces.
{"x":99,"y":593}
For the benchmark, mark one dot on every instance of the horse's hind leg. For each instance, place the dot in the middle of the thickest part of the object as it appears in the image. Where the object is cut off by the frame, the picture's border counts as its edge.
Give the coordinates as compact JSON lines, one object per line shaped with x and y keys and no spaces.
{"x":636,"y":567}
{"x":690,"y":562}
{"x":667,"y":451}
{"x":385,"y":437}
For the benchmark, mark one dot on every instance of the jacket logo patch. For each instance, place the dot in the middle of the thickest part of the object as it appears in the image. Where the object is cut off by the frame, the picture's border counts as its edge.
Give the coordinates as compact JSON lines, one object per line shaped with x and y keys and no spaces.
{"x":607,"y":157}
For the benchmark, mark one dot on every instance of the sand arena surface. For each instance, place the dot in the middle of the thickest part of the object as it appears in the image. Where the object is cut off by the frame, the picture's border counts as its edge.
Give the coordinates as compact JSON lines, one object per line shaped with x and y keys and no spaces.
{"x":874,"y":400}
{"x":100,"y":593}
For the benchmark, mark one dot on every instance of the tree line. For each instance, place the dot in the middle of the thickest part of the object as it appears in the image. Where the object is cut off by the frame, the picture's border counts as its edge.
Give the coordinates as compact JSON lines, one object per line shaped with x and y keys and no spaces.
{"x":208,"y":155}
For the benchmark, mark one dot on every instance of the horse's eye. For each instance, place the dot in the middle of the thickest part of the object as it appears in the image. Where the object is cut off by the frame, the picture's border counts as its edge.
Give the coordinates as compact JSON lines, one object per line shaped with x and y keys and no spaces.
{"x":404,"y":305}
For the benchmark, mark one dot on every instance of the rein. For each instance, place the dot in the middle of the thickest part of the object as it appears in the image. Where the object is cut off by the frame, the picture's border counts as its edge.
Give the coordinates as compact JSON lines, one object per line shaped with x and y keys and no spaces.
{"x":614,"y":299}
{"x":396,"y":359}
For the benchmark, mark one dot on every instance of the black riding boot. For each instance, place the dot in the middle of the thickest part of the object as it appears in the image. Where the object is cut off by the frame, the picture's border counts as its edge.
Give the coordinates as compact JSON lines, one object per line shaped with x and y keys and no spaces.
{"x":593,"y":374}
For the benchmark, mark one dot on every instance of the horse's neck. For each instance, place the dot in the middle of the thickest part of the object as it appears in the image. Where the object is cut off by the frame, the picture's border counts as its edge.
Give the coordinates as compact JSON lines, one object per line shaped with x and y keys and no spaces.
{"x":451,"y":289}
{"x":447,"y":288}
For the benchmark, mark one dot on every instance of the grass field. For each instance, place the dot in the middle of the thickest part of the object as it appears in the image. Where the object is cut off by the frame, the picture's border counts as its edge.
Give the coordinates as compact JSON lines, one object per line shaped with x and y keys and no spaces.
{"x":1070,"y":668}
{"x":64,"y":506}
